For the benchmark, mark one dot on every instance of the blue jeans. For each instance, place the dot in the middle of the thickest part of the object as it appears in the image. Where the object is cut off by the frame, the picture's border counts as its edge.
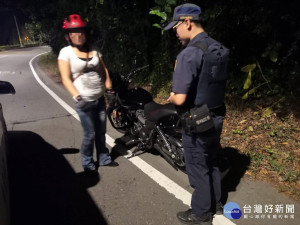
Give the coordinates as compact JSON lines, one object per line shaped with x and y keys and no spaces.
{"x":201,"y":152}
{"x":94,"y":128}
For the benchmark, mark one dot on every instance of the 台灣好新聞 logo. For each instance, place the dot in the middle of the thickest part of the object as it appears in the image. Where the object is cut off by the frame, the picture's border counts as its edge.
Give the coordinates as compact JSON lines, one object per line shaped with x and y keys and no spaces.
{"x":232,"y":211}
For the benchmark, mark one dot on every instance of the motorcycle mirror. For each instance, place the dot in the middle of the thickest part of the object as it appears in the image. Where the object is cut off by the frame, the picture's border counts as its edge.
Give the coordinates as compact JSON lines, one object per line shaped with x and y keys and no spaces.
{"x":7,"y":88}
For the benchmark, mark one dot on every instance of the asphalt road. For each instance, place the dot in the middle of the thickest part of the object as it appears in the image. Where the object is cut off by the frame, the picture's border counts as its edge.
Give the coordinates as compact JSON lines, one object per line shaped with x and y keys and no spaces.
{"x":46,"y":179}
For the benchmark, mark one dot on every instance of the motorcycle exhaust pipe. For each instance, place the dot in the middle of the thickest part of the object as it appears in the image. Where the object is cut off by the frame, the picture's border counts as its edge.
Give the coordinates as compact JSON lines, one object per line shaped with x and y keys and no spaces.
{"x":167,"y":158}
{"x":131,"y":142}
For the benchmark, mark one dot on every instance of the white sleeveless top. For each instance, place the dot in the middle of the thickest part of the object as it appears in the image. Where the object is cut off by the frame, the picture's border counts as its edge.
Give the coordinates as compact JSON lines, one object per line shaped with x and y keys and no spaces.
{"x":86,"y":78}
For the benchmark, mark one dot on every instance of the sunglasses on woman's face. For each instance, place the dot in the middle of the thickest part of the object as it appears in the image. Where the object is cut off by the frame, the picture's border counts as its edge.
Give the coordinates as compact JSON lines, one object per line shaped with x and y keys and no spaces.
{"x":77,"y":31}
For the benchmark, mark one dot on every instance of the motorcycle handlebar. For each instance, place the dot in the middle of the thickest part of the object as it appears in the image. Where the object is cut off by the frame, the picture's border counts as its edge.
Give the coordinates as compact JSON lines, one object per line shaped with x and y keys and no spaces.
{"x":136,"y":71}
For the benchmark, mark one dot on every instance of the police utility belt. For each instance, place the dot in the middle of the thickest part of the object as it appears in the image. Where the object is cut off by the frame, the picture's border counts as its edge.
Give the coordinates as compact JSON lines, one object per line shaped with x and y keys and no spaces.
{"x":197,"y":120}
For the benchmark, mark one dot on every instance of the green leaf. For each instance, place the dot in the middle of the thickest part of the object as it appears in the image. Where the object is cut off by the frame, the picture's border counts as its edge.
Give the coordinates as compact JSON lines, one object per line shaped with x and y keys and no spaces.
{"x":265,"y":54}
{"x":156,"y":12}
{"x":248,"y":68}
{"x":273,"y":56}
{"x":171,"y":2}
{"x":246,"y":95}
{"x":237,"y":131}
{"x":168,"y":9}
{"x":267,"y":112}
{"x":252,"y":91}
{"x":156,"y":25}
{"x":248,"y":81}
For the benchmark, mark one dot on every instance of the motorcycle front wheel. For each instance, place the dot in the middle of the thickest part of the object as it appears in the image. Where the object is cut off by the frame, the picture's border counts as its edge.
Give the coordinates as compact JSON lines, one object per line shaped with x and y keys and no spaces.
{"x":119,"y":119}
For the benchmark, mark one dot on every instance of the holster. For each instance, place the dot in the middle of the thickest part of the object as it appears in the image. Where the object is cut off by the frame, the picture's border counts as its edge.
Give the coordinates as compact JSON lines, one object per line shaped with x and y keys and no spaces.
{"x":197,"y":120}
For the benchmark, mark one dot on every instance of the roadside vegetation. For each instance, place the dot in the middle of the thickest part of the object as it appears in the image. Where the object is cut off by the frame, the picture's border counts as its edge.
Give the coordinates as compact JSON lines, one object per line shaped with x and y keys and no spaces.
{"x":268,"y":131}
{"x":49,"y":64}
{"x":263,"y":92}
{"x":7,"y":47}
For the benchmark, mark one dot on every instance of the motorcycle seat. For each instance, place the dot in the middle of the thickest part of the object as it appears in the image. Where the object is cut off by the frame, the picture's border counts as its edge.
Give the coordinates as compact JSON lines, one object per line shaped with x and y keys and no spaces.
{"x":154,"y":111}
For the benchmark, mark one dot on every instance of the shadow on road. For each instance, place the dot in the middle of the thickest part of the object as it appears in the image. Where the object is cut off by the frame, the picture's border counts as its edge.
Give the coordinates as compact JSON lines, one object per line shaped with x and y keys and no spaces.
{"x":233,"y":166}
{"x":120,"y":148}
{"x":44,"y":188}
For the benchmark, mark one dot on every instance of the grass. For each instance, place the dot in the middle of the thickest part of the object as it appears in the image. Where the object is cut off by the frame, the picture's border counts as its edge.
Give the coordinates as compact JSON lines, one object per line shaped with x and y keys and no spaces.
{"x":49,"y":63}
{"x":7,"y":47}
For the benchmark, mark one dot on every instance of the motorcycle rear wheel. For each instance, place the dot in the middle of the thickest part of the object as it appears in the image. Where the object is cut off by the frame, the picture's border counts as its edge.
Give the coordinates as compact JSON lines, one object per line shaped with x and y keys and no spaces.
{"x":177,"y":151}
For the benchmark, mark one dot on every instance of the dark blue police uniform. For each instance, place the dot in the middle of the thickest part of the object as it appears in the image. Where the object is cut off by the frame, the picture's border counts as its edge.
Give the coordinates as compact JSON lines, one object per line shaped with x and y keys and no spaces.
{"x":200,"y":149}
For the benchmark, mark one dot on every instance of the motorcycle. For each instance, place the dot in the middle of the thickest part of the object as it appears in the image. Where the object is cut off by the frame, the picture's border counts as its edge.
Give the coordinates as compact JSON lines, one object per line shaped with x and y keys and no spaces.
{"x":148,"y":124}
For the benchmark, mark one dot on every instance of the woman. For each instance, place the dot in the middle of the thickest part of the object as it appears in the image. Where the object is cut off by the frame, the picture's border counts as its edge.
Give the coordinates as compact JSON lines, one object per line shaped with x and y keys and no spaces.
{"x":86,"y":78}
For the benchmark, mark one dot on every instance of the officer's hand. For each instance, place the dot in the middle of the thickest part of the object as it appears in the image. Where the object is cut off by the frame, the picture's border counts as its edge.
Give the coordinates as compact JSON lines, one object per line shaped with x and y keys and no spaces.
{"x":171,"y":94}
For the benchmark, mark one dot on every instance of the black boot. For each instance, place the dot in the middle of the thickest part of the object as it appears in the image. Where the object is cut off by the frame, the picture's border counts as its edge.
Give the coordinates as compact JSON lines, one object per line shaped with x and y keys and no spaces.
{"x":188,"y":217}
{"x":219,"y":208}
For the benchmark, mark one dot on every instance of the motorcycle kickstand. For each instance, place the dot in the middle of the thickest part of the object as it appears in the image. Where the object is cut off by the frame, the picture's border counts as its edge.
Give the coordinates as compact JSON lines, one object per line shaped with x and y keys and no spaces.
{"x":137,"y":149}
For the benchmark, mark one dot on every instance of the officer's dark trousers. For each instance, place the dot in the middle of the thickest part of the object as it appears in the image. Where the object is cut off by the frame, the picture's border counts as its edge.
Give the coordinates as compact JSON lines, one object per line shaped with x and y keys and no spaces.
{"x":201,"y":165}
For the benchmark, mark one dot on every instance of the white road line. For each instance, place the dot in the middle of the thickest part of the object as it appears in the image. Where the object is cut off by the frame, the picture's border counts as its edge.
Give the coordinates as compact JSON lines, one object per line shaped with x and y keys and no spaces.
{"x":165,"y":182}
{"x":53,"y":95}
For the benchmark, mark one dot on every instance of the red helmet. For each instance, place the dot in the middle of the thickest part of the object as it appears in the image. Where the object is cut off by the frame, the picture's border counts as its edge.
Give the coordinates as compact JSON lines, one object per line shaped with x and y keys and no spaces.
{"x":74,"y":21}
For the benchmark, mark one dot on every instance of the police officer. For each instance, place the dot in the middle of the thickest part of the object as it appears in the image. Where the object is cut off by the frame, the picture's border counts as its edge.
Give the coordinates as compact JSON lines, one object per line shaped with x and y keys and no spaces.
{"x":193,"y":86}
